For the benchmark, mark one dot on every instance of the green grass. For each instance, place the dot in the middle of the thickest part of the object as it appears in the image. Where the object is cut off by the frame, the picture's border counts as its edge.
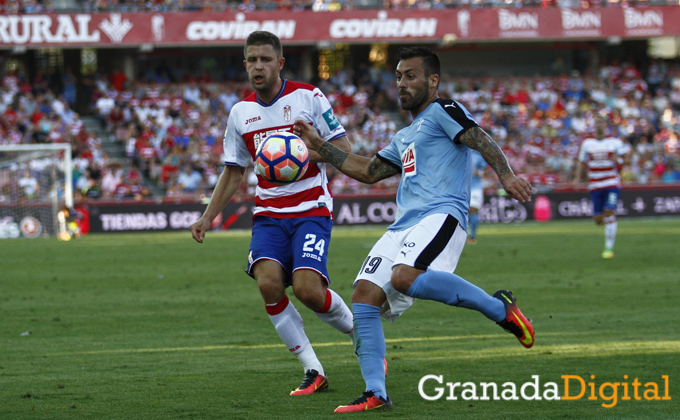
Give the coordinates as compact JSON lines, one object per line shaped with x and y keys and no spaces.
{"x":158,"y":327}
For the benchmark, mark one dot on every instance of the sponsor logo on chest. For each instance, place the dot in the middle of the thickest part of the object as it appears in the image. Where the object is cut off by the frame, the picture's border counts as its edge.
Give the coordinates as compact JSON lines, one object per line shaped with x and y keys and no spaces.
{"x":259,"y":136}
{"x":252,"y":120}
{"x":602,"y":155}
{"x":408,"y":160}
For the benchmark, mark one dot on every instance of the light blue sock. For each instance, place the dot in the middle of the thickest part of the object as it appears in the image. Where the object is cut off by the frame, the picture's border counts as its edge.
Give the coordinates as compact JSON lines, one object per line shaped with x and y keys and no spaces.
{"x":370,"y":347}
{"x":474,"y":223}
{"x":455,"y":291}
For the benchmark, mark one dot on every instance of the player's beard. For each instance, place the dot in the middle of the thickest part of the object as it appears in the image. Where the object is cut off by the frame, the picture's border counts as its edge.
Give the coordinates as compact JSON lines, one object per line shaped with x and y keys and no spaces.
{"x":414,"y":101}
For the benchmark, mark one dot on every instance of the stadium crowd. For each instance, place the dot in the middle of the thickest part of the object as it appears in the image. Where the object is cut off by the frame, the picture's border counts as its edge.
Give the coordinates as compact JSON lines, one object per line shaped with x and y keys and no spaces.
{"x":42,"y":111}
{"x":172,"y":131}
{"x":541,"y":121}
{"x":155,"y":6}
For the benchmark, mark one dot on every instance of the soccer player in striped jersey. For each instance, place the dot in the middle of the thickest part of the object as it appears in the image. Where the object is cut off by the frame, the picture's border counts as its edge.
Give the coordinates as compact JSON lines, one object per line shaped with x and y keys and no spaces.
{"x":417,"y":256}
{"x":602,"y":156}
{"x":292,"y":223}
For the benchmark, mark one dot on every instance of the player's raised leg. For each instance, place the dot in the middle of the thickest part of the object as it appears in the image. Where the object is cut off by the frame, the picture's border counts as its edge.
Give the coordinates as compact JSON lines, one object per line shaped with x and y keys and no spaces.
{"x":515,"y":322}
{"x":426,"y":271}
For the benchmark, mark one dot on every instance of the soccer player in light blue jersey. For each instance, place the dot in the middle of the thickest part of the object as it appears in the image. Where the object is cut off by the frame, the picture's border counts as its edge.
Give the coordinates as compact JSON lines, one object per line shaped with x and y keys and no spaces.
{"x":418,"y":254}
{"x":476,"y":195}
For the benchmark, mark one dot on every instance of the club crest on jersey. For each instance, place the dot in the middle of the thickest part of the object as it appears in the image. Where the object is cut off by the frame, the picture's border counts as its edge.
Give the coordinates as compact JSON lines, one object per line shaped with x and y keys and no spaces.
{"x":286,"y":113}
{"x":408,"y":160}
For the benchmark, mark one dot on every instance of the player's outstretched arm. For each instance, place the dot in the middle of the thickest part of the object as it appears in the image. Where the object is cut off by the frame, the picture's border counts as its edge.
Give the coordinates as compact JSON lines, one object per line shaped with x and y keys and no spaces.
{"x":358,"y":167}
{"x":226,"y":186}
{"x":341,"y":143}
{"x":516,"y":187}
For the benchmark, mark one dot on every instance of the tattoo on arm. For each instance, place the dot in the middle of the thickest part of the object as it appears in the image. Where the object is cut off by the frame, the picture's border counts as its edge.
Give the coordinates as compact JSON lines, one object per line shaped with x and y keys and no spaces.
{"x":377,"y":169}
{"x":476,"y":138}
{"x":332,"y":154}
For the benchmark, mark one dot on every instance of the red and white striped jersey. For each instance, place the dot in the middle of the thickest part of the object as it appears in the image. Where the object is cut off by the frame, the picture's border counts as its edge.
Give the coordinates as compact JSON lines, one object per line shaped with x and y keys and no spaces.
{"x":602,"y":158}
{"x":250,"y":121}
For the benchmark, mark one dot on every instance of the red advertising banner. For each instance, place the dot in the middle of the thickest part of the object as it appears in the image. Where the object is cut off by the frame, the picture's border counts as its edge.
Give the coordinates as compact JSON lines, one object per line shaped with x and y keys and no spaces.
{"x":360,"y":210}
{"x":110,"y":216}
{"x":307,"y":27}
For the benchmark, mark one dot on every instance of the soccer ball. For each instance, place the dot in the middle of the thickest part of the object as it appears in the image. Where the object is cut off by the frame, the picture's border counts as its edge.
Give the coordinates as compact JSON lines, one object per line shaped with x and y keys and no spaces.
{"x":282,"y":158}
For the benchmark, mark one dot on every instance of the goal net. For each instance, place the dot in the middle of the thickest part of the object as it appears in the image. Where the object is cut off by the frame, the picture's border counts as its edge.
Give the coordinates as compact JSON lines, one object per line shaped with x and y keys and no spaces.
{"x":35,"y":184}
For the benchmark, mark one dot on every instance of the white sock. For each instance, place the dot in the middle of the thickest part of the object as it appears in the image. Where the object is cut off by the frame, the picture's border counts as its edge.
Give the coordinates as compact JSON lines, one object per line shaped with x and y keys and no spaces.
{"x":309,"y":361}
{"x":337,"y":314}
{"x":610,"y":226}
{"x":289,"y":325}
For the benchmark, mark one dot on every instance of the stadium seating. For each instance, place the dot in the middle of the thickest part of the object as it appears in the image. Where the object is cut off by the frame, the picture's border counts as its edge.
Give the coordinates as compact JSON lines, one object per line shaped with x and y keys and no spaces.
{"x":155,"y":6}
{"x":162,"y":127}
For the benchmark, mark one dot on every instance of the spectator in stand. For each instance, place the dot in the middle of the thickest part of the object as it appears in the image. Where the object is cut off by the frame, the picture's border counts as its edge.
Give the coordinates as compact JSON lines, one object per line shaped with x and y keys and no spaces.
{"x":117,"y":79}
{"x":11,"y":81}
{"x":104,"y":106}
{"x":91,"y":188}
{"x":555,"y":113}
{"x":674,"y":97}
{"x":29,"y":186}
{"x":228,"y":98}
{"x":192,"y":93}
{"x":170,"y":164}
{"x":138,"y":190}
{"x":189,"y":179}
{"x":113,"y":177}
{"x":68,"y":82}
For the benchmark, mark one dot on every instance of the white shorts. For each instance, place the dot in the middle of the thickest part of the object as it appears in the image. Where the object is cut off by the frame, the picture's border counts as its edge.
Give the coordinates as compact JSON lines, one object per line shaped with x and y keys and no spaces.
{"x":476,"y":198}
{"x":433,"y":244}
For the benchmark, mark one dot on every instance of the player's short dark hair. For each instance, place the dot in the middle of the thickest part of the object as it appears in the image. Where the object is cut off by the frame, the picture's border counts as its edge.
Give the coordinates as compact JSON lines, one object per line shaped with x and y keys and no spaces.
{"x":430,"y":58}
{"x":258,"y":38}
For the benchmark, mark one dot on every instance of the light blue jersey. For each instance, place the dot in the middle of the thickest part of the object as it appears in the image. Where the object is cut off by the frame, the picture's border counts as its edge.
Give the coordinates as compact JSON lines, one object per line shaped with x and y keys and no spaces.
{"x":478,"y":166}
{"x":435,"y":167}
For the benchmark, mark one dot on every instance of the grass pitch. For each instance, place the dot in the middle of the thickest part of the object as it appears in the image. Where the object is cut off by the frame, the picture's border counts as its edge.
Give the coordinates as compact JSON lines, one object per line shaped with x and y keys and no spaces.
{"x":155,"y":326}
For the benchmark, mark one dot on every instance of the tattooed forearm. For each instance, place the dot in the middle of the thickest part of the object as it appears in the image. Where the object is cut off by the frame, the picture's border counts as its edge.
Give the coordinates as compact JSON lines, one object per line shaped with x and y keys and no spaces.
{"x":377,"y":170}
{"x":476,"y":138}
{"x":358,"y":167}
{"x":333,"y":155}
